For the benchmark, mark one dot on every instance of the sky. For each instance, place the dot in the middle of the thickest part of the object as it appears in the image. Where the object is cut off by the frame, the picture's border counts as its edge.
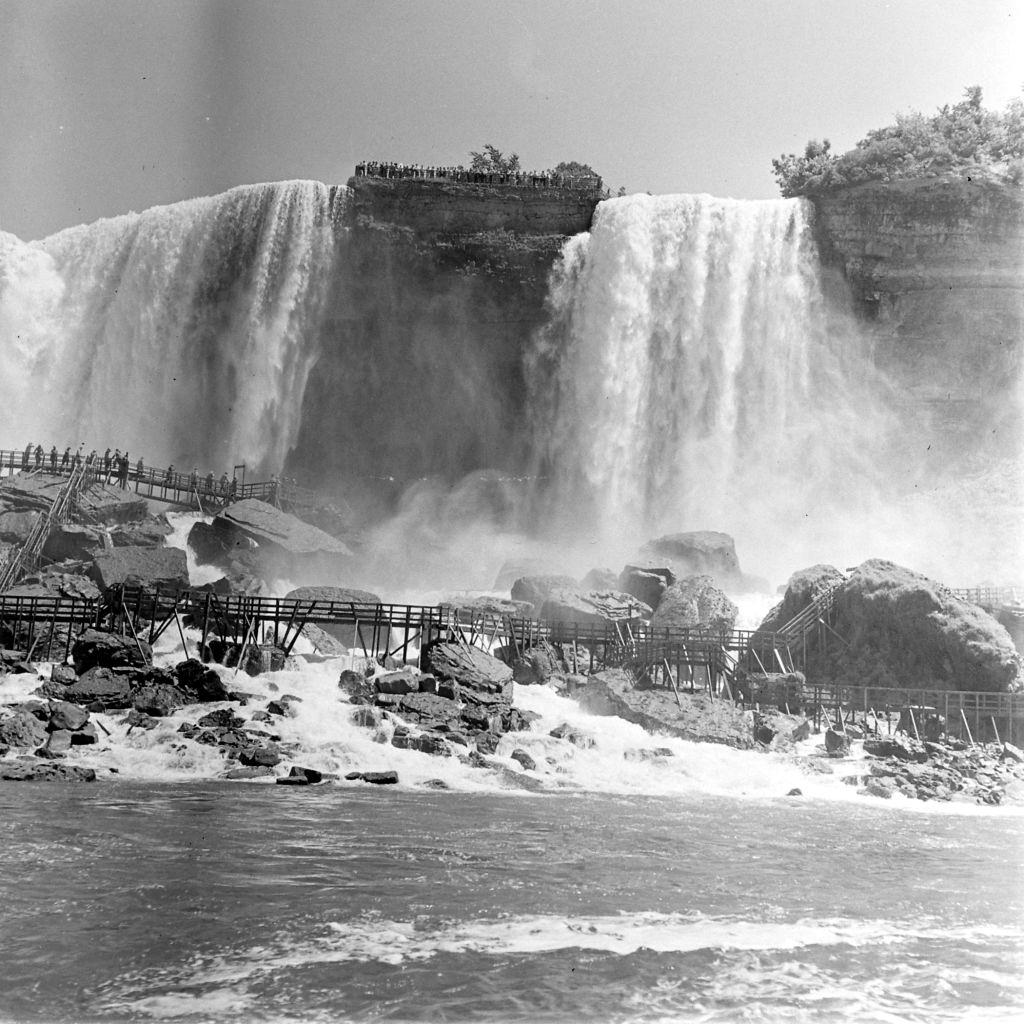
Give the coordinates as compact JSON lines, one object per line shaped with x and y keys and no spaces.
{"x":108,"y":106}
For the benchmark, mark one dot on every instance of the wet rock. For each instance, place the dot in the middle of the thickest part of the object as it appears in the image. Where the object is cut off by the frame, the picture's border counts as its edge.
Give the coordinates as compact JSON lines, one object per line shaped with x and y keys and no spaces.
{"x":648,"y":754}
{"x":159,"y":698}
{"x":359,"y":689}
{"x":141,"y":566}
{"x":646,"y":583}
{"x":429,"y":710}
{"x":150,"y":532}
{"x":538,"y":664}
{"x":365,"y":717}
{"x":795,"y":791}
{"x":898,"y":746}
{"x":499,"y":607}
{"x":425,"y":743}
{"x":249,"y":772}
{"x":398,"y":682}
{"x":574,"y":736}
{"x":107,"y":650}
{"x":837,"y":744}
{"x":487,"y":742}
{"x":222,"y":718}
{"x":780,"y":731}
{"x":73,"y":541}
{"x":695,"y":602}
{"x":44,"y":771}
{"x":596,"y":607}
{"x":1012,"y":753}
{"x":883,"y":787}
{"x":524,"y":759}
{"x":469,"y":667}
{"x":517,"y":720}
{"x":200,"y":682}
{"x":381,"y":778}
{"x":140,"y":720}
{"x":57,"y":743}
{"x":282,"y":704}
{"x":697,"y":553}
{"x":535,"y":590}
{"x":601,"y":579}
{"x":803,"y":587}
{"x":689,"y":716}
{"x":63,"y":675}
{"x":101,"y":688}
{"x":65,"y":715}
{"x":15,"y":527}
{"x":435,"y":784}
{"x":265,"y":757}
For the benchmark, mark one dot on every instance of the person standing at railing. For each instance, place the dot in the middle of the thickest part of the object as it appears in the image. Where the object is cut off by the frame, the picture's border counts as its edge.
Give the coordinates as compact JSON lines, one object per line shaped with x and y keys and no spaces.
{"x":140,"y":469}
{"x":39,"y":456}
{"x":209,"y":483}
{"x":169,"y":476}
{"x":223,"y":484}
{"x":106,"y":466}
{"x":65,"y":459}
{"x":233,"y":493}
{"x":122,"y":472}
{"x":53,"y":459}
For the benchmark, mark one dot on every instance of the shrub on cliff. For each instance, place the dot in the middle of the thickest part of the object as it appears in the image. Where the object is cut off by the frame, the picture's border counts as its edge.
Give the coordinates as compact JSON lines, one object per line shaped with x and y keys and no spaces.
{"x":961,"y":137}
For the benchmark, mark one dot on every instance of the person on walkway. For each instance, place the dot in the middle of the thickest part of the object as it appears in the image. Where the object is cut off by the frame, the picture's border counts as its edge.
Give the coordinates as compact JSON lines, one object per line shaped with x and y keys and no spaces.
{"x":140,"y":469}
{"x":233,"y":493}
{"x":28,"y":456}
{"x":39,"y":456}
{"x":106,"y":465}
{"x":223,"y":484}
{"x":209,"y":482}
{"x":123,"y":472}
{"x":53,"y":459}
{"x":193,"y":481}
{"x":65,"y":459}
{"x":169,"y":476}
{"x":272,"y":491}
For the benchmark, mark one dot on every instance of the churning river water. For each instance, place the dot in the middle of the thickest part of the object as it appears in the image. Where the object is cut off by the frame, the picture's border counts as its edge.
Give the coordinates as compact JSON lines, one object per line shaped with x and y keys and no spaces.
{"x":225,"y":902}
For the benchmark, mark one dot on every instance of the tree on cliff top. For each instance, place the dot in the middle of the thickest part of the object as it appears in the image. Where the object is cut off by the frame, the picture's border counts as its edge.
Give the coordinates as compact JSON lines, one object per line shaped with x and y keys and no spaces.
{"x":964,"y":137}
{"x":493,"y":161}
{"x":574,"y":169}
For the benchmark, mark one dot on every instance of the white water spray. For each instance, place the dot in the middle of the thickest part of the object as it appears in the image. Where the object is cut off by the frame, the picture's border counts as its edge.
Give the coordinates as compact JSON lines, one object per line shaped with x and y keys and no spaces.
{"x":692,"y":377}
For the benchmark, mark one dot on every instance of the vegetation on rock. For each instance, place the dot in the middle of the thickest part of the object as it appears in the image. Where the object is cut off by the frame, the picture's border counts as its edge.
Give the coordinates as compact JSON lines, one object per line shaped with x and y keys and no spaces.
{"x":964,"y":137}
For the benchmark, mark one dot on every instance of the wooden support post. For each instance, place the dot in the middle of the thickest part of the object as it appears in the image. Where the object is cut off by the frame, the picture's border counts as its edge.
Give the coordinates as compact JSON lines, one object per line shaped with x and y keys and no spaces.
{"x":995,"y":729}
{"x":181,"y":631}
{"x":142,"y":654}
{"x":913,"y":722}
{"x":967,"y":727}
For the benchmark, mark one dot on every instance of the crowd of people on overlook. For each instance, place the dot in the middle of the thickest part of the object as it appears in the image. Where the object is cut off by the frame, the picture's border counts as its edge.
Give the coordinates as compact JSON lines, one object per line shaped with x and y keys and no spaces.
{"x":523,"y":179}
{"x":115,"y":467}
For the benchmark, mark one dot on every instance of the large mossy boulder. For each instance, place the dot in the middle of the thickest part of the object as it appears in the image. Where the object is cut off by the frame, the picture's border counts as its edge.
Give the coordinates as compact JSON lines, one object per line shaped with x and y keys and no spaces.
{"x":108,"y":650}
{"x":592,"y":607}
{"x":804,"y":586}
{"x":646,"y":583}
{"x":901,"y":629}
{"x":695,"y":602}
{"x":535,"y":590}
{"x":149,"y":567}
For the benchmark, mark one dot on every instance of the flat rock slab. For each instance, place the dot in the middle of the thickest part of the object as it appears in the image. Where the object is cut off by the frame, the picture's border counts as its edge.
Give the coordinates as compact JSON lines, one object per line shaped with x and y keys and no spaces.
{"x":695,"y":717}
{"x":264,"y":522}
{"x":152,"y":567}
{"x":345,"y":635}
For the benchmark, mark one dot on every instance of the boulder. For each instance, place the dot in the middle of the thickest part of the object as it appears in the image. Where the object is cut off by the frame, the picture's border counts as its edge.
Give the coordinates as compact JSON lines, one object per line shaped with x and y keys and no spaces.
{"x":359,"y":688}
{"x":301,"y":777}
{"x":151,"y":532}
{"x":58,"y":743}
{"x":703,"y":552}
{"x":260,"y":756}
{"x":602,"y":579}
{"x":251,"y":772}
{"x":347,"y":635}
{"x":524,"y":759}
{"x":70,"y":540}
{"x":646,"y":583}
{"x":222,"y":718}
{"x":574,"y":736}
{"x":51,"y":582}
{"x":139,"y":719}
{"x":65,"y":715}
{"x":901,"y":629}
{"x":63,"y":675}
{"x":593,"y":607}
{"x":232,"y":551}
{"x":140,"y":566}
{"x":694,"y":716}
{"x":200,"y":682}
{"x":429,"y":711}
{"x":518,"y":568}
{"x":695,"y":602}
{"x":538,"y":664}
{"x":159,"y":699}
{"x":803,"y":587}
{"x":21,"y":730}
{"x":15,"y":527}
{"x":381,"y":778}
{"x":780,"y":731}
{"x":85,"y":736}
{"x":44,"y":771}
{"x":108,"y":650}
{"x":472,"y":669}
{"x":837,"y":744}
{"x":100,"y":687}
{"x":535,"y":590}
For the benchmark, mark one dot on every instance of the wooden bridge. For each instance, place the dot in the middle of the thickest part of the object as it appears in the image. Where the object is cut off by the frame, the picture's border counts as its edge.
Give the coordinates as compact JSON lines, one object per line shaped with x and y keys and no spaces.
{"x":721,"y":664}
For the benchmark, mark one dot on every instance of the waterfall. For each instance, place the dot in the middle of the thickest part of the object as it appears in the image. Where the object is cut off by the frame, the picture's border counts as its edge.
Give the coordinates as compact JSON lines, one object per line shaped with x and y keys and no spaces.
{"x":186,"y":332}
{"x":692,"y":375}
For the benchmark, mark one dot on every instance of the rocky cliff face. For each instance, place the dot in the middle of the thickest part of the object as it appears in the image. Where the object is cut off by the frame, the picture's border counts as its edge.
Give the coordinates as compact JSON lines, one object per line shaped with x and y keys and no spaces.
{"x":438,"y":291}
{"x":936,"y":267}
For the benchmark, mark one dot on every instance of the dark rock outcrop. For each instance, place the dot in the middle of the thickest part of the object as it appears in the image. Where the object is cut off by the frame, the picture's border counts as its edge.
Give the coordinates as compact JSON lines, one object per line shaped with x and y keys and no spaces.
{"x":348,"y":636}
{"x":803,"y":587}
{"x":596,"y":607}
{"x":535,"y":590}
{"x":646,"y":583}
{"x":108,"y":650}
{"x":101,"y":688}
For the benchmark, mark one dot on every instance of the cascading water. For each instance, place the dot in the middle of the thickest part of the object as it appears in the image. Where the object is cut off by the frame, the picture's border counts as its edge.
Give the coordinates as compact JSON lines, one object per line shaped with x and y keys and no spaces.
{"x":186,"y":332}
{"x":692,"y":376}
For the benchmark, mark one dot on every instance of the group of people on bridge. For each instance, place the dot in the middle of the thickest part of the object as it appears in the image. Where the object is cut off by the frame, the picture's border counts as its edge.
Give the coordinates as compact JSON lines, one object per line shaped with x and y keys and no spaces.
{"x":522,"y":179}
{"x":115,"y":467}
